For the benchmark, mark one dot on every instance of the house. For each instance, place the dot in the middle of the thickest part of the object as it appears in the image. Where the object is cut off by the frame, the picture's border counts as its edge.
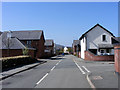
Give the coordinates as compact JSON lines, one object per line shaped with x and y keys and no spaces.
{"x":66,"y":50}
{"x":14,"y":48}
{"x":76,"y":47}
{"x":0,"y":32}
{"x":96,"y":44}
{"x":16,"y":41}
{"x":117,"y":55}
{"x":49,"y":48}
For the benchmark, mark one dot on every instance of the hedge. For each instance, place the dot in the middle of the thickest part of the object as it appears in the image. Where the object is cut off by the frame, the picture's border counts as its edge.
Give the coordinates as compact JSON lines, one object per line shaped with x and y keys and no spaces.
{"x":8,"y":62}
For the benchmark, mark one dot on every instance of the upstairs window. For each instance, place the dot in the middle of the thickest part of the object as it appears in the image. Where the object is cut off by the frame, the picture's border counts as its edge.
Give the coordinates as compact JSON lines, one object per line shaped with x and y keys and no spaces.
{"x":104,"y":37}
{"x":29,"y":43}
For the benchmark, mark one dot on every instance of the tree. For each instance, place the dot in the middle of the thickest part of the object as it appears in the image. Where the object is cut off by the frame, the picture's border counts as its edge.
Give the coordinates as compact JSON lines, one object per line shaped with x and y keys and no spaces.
{"x":25,"y":51}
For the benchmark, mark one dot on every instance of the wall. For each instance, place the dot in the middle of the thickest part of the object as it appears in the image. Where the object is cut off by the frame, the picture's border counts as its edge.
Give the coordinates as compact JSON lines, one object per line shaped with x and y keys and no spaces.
{"x":38,"y":45}
{"x":15,"y":52}
{"x":49,"y":54}
{"x":41,"y":47}
{"x":79,"y":55}
{"x":94,"y":37}
{"x":83,"y":47}
{"x":91,"y":57}
{"x":74,"y":49}
{"x":117,"y":57}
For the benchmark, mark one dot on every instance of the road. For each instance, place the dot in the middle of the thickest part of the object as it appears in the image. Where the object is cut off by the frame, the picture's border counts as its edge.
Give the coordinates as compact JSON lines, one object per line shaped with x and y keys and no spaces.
{"x":65,"y":72}
{"x":62,"y":72}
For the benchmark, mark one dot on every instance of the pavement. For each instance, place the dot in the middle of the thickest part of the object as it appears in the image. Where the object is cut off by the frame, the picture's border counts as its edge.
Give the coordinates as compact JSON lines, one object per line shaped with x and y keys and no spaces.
{"x":11,"y":72}
{"x":28,"y":78}
{"x":102,"y":74}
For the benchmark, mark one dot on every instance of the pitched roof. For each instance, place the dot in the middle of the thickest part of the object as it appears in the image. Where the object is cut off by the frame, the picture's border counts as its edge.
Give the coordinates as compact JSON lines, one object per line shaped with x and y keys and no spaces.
{"x":117,"y":38}
{"x":14,"y":43}
{"x":94,"y":27}
{"x":49,"y":42}
{"x":76,"y":42}
{"x":27,"y":35}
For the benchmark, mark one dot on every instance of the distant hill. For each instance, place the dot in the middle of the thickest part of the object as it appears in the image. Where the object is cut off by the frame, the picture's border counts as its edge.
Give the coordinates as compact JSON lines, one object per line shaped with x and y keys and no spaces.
{"x":58,"y":46}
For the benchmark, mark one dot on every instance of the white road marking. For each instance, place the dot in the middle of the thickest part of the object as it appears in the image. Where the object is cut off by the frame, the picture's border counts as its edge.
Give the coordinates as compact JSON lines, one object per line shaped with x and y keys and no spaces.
{"x":42,"y":78}
{"x":85,"y":68}
{"x":80,"y":68}
{"x":53,"y":68}
{"x":57,"y":63}
{"x":47,"y":74}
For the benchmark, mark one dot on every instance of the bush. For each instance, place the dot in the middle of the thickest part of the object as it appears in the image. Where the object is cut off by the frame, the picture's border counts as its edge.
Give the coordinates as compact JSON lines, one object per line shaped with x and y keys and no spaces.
{"x":8,"y":62}
{"x":25,"y":51}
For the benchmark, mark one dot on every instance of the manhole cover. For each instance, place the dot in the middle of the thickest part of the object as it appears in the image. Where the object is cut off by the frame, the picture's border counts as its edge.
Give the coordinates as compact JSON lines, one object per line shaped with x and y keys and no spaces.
{"x":97,"y":78}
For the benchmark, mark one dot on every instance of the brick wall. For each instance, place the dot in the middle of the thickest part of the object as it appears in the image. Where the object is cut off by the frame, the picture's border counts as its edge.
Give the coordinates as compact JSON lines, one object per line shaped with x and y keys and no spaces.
{"x":38,"y":45}
{"x":117,"y":57}
{"x":49,"y":54}
{"x":79,"y":55}
{"x":74,"y":50}
{"x":91,"y":57}
{"x":15,"y":52}
{"x":41,"y":47}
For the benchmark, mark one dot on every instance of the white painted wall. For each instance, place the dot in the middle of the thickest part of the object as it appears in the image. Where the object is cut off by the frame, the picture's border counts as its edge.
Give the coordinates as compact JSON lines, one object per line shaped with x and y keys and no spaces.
{"x":66,"y":50}
{"x":83,"y":47}
{"x":94,"y":37}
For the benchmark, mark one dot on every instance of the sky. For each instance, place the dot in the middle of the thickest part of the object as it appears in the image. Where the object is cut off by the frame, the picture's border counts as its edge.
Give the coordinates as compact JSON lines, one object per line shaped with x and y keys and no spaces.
{"x":61,"y":21}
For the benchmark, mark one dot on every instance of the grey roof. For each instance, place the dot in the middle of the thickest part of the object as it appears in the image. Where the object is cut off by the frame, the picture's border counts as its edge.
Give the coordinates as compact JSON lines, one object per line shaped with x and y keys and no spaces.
{"x":94,"y":27}
{"x":105,"y":45}
{"x":76,"y":42}
{"x":27,"y":35}
{"x":117,"y":38}
{"x":14,"y":43}
{"x":49,"y":42}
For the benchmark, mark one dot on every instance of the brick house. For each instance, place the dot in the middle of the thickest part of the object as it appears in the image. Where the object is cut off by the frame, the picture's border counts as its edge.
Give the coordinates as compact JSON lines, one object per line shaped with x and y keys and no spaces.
{"x":117,"y":55}
{"x":96,"y":44}
{"x":76,"y":47}
{"x":49,"y":48}
{"x":0,"y":32}
{"x":33,"y":40}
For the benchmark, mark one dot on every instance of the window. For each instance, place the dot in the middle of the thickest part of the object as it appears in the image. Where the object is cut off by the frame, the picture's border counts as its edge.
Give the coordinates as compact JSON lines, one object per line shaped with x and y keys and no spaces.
{"x":104,"y":37}
{"x":29,"y":43}
{"x":102,"y":51}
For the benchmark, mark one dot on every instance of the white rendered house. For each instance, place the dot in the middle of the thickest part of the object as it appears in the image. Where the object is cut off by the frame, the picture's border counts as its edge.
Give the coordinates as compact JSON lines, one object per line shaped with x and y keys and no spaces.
{"x":98,"y":41}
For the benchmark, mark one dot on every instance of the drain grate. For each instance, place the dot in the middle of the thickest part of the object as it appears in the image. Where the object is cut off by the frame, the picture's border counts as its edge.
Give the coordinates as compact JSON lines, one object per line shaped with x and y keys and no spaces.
{"x":97,"y":77}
